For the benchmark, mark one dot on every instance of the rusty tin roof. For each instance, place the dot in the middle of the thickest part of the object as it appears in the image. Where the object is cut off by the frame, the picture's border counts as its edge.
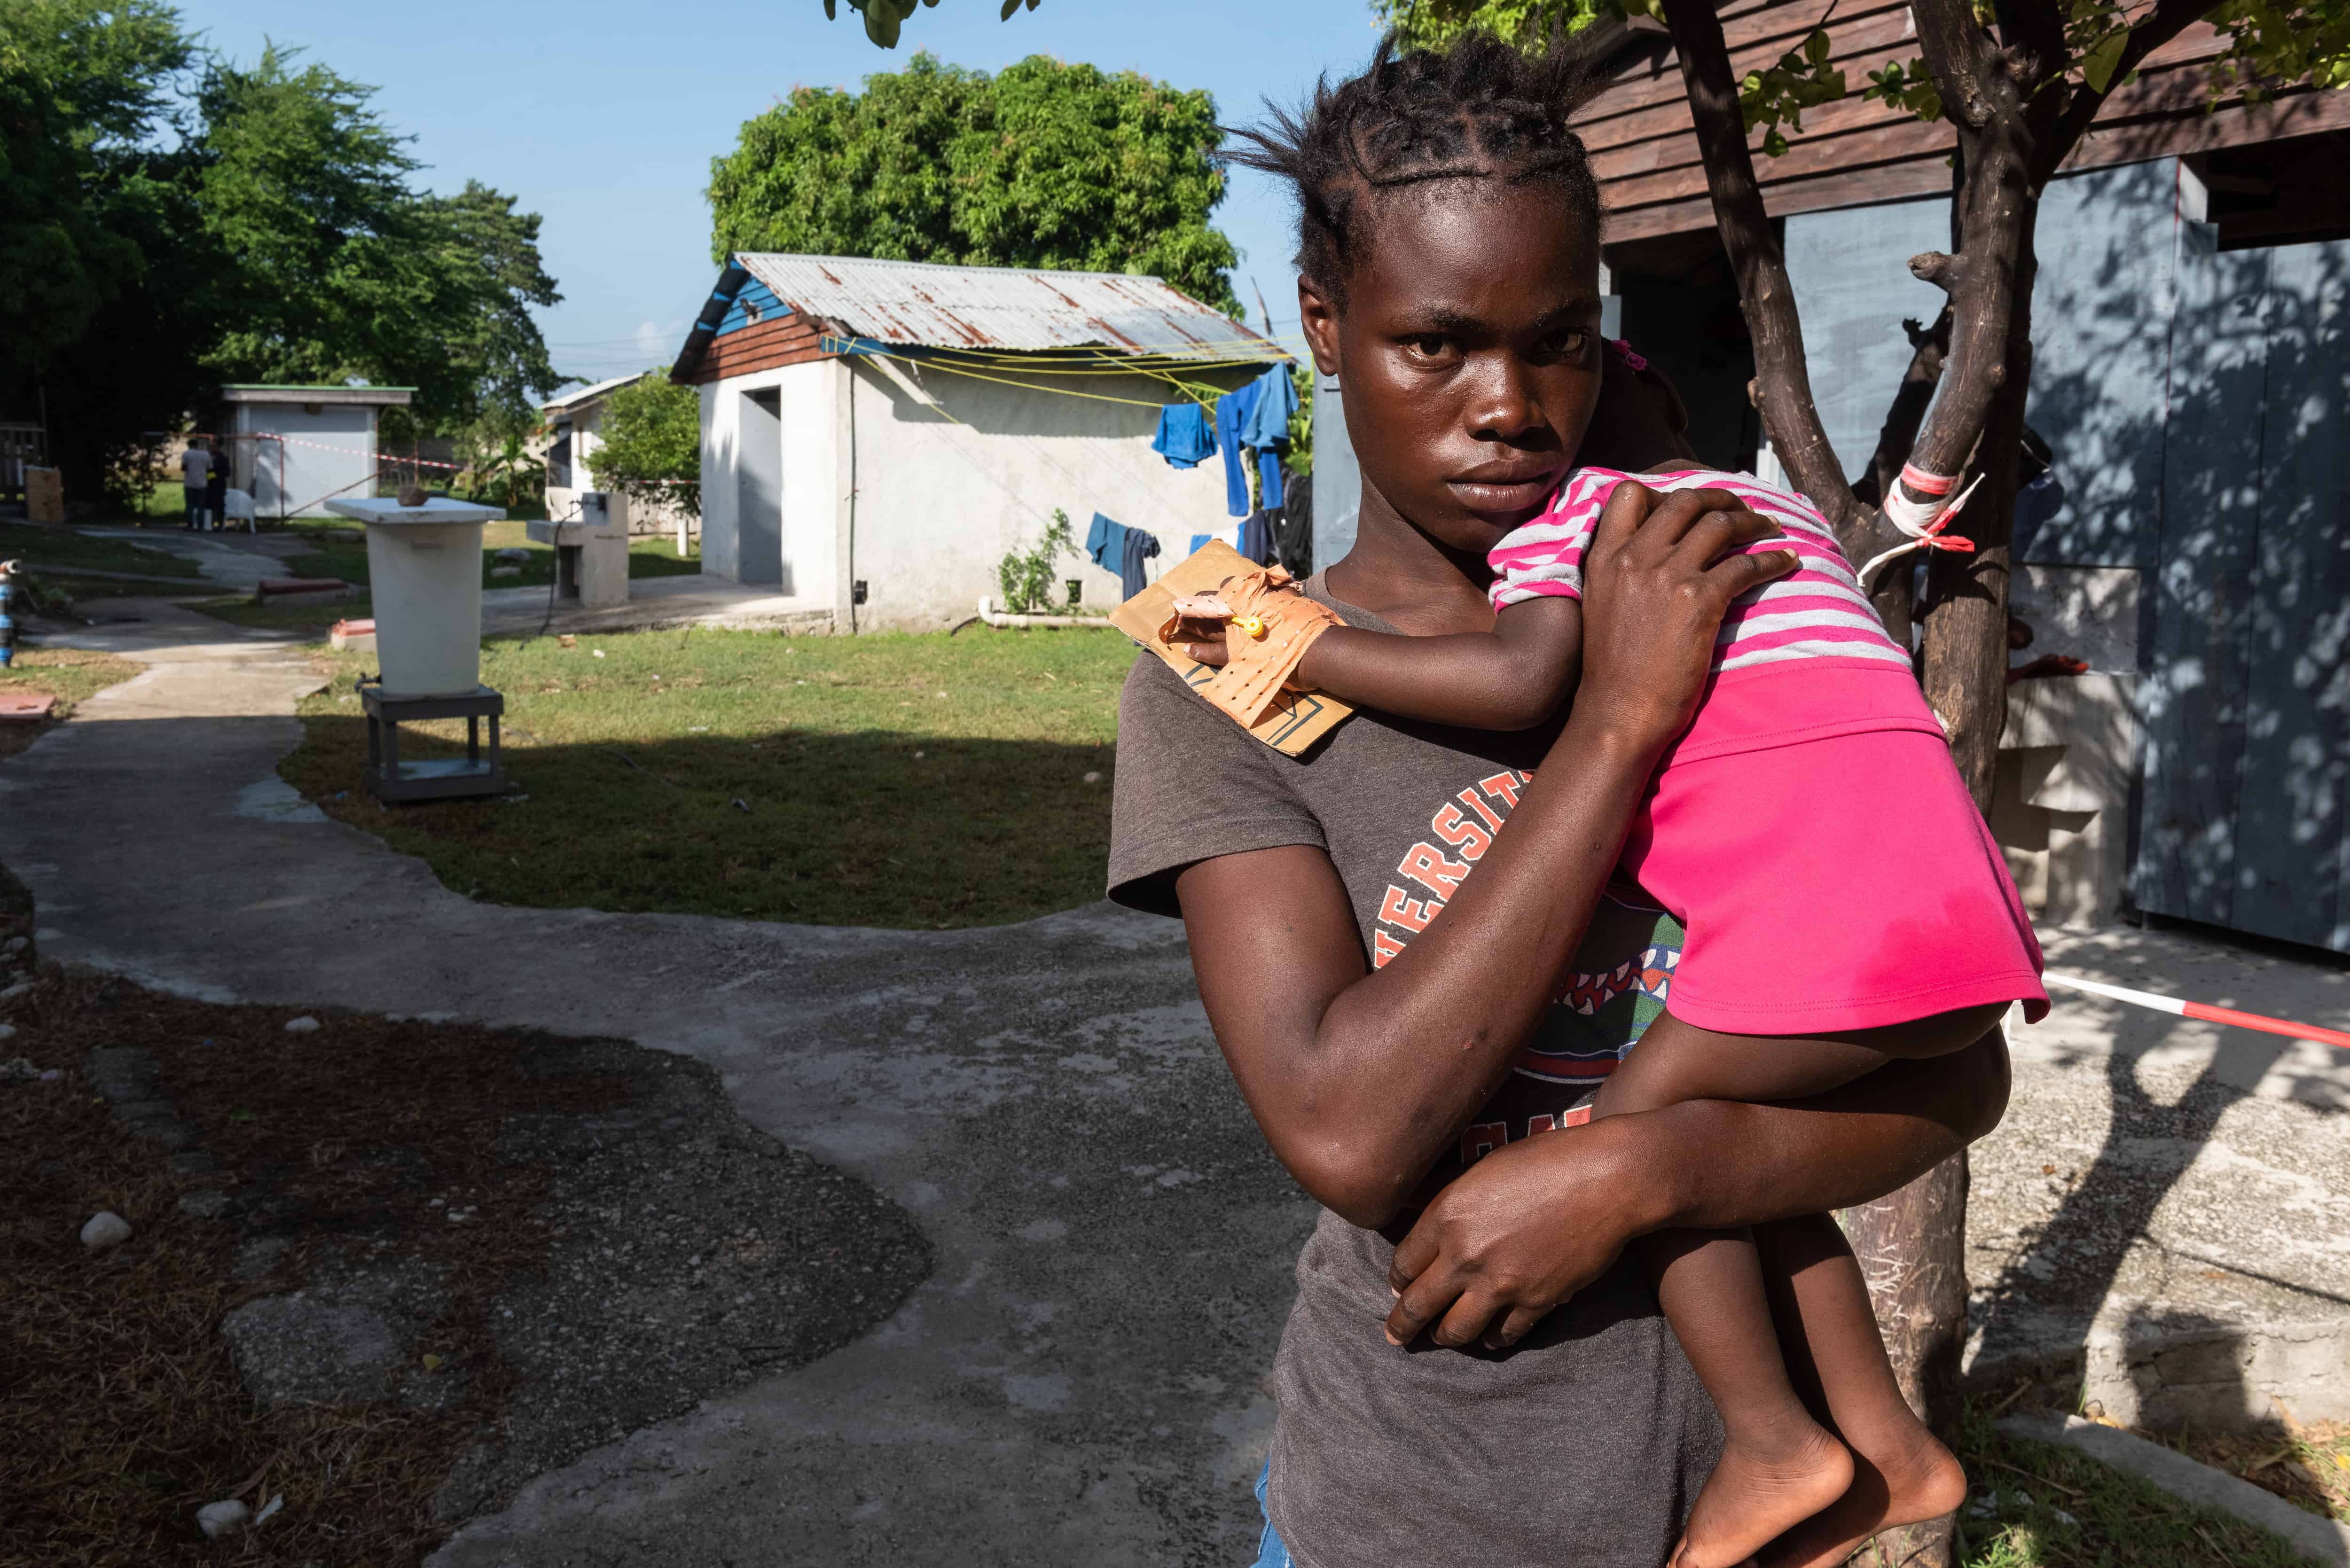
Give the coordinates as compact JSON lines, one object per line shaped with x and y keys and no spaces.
{"x":1004,"y":308}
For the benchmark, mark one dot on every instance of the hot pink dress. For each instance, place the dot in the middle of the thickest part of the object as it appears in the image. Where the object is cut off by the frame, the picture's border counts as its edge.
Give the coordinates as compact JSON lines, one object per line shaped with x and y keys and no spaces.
{"x":1809,"y":829}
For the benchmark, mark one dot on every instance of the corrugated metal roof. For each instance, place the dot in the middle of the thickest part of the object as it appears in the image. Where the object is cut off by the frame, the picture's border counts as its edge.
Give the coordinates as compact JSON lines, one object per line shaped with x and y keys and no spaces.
{"x":584,"y":394}
{"x":1004,"y":308}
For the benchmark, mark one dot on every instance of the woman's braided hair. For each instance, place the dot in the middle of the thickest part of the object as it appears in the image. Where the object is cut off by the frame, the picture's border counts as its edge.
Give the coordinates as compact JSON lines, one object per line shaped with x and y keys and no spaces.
{"x":1478,"y":109}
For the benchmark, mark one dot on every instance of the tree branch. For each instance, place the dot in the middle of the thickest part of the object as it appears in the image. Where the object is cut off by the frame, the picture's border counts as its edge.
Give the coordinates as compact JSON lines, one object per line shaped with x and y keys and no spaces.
{"x":1967,"y":68}
{"x":1790,"y":414}
{"x":1991,"y":210}
{"x":2034,"y":33}
{"x":2165,"y":22}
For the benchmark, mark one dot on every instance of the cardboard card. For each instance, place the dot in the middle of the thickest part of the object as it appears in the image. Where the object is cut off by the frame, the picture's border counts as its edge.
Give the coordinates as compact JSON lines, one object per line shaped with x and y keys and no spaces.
{"x":1297,"y":719}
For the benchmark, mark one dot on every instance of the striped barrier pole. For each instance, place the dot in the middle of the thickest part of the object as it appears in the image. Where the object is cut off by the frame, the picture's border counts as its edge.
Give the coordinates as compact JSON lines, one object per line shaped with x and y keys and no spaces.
{"x":2204,"y":1011}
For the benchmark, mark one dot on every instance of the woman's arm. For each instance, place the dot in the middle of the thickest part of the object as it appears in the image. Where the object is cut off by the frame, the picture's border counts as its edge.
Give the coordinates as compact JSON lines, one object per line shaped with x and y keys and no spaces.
{"x":1362,"y":1079}
{"x":1531,"y":1224}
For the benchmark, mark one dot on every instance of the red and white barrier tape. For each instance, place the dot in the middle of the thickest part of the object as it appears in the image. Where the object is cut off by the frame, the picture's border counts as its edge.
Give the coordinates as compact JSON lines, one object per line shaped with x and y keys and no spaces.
{"x":389,"y":458}
{"x":2204,"y":1011}
{"x":1922,"y":520}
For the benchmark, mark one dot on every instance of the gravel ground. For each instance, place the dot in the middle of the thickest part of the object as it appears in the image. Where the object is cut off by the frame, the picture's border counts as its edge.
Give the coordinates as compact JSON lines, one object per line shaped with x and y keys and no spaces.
{"x":389,"y":1269}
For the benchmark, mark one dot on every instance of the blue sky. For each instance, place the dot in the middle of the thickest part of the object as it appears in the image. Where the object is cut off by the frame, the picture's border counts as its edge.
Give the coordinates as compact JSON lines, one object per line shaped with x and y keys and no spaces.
{"x":604,"y":116}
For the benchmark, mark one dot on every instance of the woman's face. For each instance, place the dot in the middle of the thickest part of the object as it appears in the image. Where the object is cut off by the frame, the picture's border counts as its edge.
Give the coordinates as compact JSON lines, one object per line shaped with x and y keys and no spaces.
{"x":1468,"y":355}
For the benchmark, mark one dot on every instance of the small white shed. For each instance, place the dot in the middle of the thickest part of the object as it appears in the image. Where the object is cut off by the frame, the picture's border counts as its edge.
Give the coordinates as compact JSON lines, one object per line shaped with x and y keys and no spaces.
{"x":876,"y":435}
{"x":293,"y":449}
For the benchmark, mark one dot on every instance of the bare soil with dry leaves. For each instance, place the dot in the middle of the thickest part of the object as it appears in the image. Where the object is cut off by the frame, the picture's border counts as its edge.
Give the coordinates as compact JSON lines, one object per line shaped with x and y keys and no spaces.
{"x":384,"y":1270}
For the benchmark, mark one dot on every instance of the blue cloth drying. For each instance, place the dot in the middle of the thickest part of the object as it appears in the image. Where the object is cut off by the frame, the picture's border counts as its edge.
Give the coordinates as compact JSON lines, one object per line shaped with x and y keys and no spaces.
{"x":1228,"y":536}
{"x":1185,"y":438}
{"x":1268,"y":473}
{"x":1268,"y":420}
{"x":1115,"y":547}
{"x":1233,"y":411}
{"x":1137,"y":549}
{"x":1265,"y":427}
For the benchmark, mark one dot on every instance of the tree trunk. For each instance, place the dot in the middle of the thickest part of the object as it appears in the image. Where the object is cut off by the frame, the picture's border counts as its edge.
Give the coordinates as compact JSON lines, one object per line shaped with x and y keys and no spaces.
{"x":1912,"y":1250}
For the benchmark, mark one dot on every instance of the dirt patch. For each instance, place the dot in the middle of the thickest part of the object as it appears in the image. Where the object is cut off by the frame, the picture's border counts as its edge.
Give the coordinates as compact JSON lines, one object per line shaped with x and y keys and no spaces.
{"x":69,"y":675}
{"x":2307,"y":1464}
{"x":384,"y":1269}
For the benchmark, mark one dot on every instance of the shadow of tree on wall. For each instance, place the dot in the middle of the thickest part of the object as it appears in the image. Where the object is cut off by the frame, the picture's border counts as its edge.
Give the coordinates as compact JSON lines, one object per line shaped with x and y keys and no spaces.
{"x":2247,"y":704}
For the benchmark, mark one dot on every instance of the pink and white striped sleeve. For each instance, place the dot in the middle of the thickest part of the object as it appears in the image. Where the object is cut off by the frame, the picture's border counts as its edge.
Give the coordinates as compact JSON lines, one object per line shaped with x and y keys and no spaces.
{"x":1543,"y":558}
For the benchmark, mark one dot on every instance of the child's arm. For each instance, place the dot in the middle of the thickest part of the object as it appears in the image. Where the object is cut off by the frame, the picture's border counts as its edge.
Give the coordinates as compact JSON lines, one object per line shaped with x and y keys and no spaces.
{"x":1511,"y":678}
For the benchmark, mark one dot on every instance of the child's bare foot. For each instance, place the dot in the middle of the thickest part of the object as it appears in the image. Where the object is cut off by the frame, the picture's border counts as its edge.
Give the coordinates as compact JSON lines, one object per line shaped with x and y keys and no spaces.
{"x":1923,"y":1481}
{"x":1760,"y":1491}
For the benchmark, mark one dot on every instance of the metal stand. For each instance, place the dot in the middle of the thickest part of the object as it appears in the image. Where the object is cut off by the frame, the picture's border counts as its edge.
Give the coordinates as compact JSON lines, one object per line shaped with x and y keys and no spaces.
{"x":389,"y":779}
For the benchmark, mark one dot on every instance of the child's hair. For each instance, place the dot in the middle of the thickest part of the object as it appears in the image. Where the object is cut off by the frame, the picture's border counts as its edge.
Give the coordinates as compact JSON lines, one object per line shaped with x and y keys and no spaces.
{"x":1478,"y":109}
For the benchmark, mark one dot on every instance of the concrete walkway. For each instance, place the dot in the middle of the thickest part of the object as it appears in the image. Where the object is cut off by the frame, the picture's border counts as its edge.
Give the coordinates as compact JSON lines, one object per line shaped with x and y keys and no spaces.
{"x":683,"y":600}
{"x":231,"y":558}
{"x":1080,"y":1380}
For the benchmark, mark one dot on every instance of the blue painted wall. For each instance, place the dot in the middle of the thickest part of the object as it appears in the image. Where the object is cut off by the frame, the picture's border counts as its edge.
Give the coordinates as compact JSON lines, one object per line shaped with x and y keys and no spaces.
{"x":738,"y":315}
{"x":2100,"y":336}
{"x":2197,"y":402}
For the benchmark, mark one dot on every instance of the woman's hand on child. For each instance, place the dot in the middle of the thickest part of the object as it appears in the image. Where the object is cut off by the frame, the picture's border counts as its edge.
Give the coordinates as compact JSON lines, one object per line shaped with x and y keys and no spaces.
{"x":1659,"y":577}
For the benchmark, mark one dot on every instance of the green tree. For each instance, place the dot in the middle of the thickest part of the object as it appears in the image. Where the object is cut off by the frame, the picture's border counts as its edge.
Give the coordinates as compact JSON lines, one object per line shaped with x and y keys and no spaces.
{"x":1043,"y":164}
{"x":84,"y":86}
{"x":649,"y":444}
{"x":342,"y":269}
{"x":2020,"y":84}
{"x":162,"y":234}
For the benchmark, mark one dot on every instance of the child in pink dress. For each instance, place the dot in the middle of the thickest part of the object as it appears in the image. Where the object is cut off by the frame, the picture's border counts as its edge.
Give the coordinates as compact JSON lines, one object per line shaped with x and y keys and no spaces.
{"x":1814,"y":776}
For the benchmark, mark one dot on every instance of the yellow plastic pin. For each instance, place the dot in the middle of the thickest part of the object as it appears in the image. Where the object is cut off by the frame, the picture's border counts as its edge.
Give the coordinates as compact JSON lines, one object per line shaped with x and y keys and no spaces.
{"x":1251,"y":626}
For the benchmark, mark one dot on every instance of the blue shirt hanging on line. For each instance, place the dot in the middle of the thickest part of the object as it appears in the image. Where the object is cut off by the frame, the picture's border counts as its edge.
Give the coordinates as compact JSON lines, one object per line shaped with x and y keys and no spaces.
{"x":1139,"y":547}
{"x":1116,"y":548}
{"x":1185,"y":439}
{"x":1265,"y":427}
{"x":1233,"y":411}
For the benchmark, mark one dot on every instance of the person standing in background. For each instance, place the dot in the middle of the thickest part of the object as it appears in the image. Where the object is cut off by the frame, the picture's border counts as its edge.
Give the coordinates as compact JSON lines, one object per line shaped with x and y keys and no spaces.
{"x":216,"y":497}
{"x":195,"y":470}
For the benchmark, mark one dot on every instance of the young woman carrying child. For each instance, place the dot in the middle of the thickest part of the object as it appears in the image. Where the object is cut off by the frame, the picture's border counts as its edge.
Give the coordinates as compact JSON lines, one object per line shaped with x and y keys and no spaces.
{"x":1811,"y":775}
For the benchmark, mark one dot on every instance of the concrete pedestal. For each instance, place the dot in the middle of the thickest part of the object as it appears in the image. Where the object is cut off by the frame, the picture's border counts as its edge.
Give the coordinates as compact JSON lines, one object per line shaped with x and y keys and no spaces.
{"x":591,"y":552}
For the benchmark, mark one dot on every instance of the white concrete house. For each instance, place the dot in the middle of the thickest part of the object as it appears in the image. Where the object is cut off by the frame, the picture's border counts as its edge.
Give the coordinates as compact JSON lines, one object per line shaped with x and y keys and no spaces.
{"x":876,"y":435}
{"x":575,"y":425}
{"x":293,"y":449}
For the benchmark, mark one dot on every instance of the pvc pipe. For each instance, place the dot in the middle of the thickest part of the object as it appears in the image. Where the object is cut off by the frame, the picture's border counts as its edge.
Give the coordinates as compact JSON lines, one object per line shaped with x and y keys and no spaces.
{"x":993,"y":617}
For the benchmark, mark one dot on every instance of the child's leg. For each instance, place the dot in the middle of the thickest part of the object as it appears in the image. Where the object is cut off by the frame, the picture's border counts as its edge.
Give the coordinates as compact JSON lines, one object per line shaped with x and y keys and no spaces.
{"x":1835,"y":1358}
{"x":1779,"y":1467}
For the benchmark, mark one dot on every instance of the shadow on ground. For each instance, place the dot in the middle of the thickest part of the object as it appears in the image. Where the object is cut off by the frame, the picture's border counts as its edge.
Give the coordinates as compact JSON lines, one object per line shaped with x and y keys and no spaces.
{"x":872,"y":828}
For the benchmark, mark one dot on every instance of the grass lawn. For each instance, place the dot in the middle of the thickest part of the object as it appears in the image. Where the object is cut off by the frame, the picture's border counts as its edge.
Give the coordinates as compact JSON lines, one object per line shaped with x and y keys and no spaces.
{"x":2041,"y":1505}
{"x":909,"y":781}
{"x":63,"y":548}
{"x":64,"y":673}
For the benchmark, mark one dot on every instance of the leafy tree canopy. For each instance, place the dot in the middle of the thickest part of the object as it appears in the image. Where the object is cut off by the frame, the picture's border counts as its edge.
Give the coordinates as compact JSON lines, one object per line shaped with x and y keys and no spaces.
{"x":341,"y":269}
{"x":175,"y":220}
{"x":82,"y":87}
{"x":1043,"y":164}
{"x":648,"y":443}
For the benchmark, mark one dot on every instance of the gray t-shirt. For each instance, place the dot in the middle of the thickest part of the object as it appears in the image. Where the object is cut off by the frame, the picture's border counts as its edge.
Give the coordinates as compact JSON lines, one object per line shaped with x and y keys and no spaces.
{"x":195,"y":464}
{"x":1584,"y":1444}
